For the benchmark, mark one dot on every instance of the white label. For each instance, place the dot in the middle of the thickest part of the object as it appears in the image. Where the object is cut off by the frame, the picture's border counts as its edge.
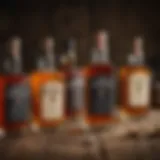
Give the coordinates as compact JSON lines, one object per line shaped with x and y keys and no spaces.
{"x":139,"y":89}
{"x":52,"y":100}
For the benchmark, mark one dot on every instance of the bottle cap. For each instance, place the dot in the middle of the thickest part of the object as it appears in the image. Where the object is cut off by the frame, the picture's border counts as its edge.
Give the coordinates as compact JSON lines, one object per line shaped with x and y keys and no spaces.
{"x":15,"y":44}
{"x":102,"y":40}
{"x":138,"y":46}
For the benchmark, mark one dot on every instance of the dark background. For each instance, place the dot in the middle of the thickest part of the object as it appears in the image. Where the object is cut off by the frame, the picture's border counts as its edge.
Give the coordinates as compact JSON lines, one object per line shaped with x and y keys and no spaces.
{"x":34,"y":19}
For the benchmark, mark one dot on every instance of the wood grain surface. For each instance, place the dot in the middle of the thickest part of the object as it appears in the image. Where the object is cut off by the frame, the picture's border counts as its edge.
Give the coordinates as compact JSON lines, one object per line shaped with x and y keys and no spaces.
{"x":130,"y":139}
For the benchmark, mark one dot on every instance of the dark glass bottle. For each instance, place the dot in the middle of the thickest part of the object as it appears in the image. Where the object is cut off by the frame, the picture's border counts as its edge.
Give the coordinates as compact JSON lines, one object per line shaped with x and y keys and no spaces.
{"x":100,"y":85}
{"x":74,"y":82}
{"x":17,"y":96}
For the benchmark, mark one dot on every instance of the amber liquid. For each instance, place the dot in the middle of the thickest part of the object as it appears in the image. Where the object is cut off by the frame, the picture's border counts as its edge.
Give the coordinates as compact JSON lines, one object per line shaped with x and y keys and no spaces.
{"x":39,"y":79}
{"x":125,"y":73}
{"x":96,"y":119}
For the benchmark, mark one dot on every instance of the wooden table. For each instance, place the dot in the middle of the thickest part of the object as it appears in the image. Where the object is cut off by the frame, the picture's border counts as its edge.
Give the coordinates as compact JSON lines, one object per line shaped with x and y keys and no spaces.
{"x":130,"y":139}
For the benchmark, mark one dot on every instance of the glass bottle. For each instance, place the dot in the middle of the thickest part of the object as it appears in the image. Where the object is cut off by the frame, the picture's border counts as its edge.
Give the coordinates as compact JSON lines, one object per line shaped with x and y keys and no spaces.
{"x":17,"y":89}
{"x":135,"y":82}
{"x":100,"y":84}
{"x":48,"y":90}
{"x":74,"y":81}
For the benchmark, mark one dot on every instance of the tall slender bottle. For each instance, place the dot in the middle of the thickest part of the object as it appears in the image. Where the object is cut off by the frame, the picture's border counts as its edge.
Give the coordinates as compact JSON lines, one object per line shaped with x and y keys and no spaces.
{"x":17,"y":89}
{"x":100,"y":84}
{"x":75,"y":83}
{"x":48,"y":89}
{"x":135,"y":82}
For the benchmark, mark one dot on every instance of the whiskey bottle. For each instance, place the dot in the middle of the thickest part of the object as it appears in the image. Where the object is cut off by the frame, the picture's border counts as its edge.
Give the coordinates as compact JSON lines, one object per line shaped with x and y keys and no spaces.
{"x":17,"y":95}
{"x":135,"y":82}
{"x":75,"y":83}
{"x":100,"y":84}
{"x":48,"y":90}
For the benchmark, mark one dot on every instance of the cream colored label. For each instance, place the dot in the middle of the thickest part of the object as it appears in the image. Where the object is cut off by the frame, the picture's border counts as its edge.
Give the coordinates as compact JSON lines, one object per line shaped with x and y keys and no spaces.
{"x":139,"y":90}
{"x":52,"y":100}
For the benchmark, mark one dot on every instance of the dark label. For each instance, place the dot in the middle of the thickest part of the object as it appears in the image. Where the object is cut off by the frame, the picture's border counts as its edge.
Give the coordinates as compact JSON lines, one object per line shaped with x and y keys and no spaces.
{"x":101,"y":95}
{"x":17,"y":102}
{"x":75,"y":93}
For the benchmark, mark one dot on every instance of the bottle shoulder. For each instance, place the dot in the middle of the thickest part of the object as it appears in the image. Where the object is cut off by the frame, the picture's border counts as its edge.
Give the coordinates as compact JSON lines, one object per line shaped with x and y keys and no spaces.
{"x":44,"y":76}
{"x":98,"y":69}
{"x":15,"y":77}
{"x":129,"y":70}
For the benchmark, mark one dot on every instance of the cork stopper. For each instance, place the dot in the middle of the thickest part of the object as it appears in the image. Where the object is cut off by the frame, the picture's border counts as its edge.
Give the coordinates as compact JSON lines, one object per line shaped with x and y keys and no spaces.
{"x":16,"y":49}
{"x":15,"y":46}
{"x":102,"y":40}
{"x":103,"y":46}
{"x":138,"y":49}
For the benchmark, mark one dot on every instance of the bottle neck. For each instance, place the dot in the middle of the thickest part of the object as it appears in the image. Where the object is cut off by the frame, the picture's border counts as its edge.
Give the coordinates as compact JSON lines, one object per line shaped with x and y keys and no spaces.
{"x":95,"y":57}
{"x":139,"y":56}
{"x":102,"y":43}
{"x":72,"y":57}
{"x":136,"y":60}
{"x":71,"y":53}
{"x":99,"y":57}
{"x":51,"y":59}
{"x":17,"y":64}
{"x":104,"y":57}
{"x":138,"y":51}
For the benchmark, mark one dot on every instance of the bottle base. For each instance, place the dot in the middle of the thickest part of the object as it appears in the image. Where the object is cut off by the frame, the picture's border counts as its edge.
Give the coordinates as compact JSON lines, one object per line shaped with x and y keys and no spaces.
{"x":138,"y":112}
{"x":101,"y":121}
